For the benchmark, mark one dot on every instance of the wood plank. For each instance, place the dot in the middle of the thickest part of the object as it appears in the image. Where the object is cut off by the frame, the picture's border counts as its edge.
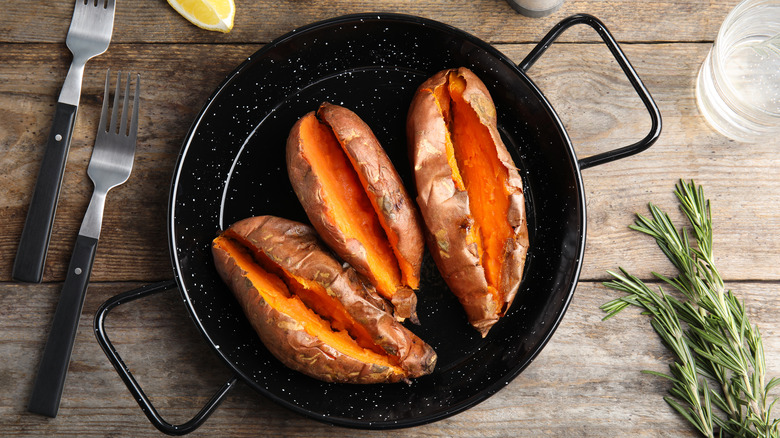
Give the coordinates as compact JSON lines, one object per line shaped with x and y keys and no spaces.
{"x":133,"y":242}
{"x":586,"y":382}
{"x":594,"y":100}
{"x":601,"y":112}
{"x":261,"y":21}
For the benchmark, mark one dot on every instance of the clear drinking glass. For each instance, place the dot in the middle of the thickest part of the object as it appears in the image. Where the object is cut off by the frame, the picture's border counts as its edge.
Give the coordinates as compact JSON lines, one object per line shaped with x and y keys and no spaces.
{"x":738,"y":87}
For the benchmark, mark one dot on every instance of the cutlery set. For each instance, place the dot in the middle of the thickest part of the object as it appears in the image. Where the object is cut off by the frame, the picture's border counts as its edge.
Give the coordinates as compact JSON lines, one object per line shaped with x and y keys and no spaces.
{"x":89,"y":35}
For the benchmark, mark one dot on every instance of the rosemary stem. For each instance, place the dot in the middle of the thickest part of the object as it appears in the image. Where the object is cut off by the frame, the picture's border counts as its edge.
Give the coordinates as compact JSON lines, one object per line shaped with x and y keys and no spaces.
{"x":708,"y":332}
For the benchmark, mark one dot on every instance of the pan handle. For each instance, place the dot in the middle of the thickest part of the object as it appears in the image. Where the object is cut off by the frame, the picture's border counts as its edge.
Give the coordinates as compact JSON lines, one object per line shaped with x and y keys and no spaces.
{"x":127,"y":377}
{"x":620,"y":57}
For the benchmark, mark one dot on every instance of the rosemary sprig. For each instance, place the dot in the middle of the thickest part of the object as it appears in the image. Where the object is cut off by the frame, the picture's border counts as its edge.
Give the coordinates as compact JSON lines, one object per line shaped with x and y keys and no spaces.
{"x":718,"y":377}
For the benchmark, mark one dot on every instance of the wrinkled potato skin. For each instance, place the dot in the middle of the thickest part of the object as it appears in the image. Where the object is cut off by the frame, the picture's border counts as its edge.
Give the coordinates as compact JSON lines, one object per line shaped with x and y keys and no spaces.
{"x":286,"y":339}
{"x":296,"y":249}
{"x":445,"y":209}
{"x":384,"y":185}
{"x":309,"y":190}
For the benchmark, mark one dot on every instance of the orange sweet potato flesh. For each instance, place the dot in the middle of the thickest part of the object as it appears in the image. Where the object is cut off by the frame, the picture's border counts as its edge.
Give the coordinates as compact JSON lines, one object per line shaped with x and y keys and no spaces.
{"x":469,"y":192}
{"x":355,"y":199}
{"x":314,"y":315}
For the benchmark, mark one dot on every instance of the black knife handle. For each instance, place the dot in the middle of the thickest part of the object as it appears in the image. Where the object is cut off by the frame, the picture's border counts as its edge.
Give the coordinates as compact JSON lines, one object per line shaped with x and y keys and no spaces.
{"x":31,"y":254}
{"x":50,"y":380}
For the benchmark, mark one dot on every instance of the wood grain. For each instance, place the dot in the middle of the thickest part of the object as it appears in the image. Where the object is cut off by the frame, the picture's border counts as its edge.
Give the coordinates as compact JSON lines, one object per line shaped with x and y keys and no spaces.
{"x":587,"y":382}
{"x":260,"y":21}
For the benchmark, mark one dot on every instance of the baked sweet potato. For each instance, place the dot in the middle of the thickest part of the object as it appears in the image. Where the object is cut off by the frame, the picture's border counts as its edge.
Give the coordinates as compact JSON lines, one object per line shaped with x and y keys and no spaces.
{"x":469,"y":192}
{"x":356,"y":201}
{"x":313,"y":314}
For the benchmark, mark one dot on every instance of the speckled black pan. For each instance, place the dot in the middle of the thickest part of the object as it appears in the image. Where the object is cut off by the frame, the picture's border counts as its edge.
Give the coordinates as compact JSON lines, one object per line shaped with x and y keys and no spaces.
{"x":232,"y":166}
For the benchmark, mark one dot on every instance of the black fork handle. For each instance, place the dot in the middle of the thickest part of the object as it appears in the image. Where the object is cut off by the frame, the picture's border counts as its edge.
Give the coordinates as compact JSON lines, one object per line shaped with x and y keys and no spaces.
{"x":628,"y":69}
{"x":53,"y":369}
{"x":34,"y":242}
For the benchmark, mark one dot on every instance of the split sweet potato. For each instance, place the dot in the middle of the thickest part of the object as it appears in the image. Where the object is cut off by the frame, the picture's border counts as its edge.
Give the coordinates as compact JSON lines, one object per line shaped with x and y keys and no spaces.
{"x":357,"y":202}
{"x":469,"y":192}
{"x":313,"y":314}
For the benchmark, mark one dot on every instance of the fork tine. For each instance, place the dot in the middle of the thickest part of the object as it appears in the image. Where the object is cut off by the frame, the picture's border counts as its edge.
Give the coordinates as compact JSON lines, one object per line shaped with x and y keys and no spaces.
{"x":125,"y":102}
{"x":102,"y":4}
{"x":114,"y":110}
{"x":136,"y":102}
{"x":104,"y":110}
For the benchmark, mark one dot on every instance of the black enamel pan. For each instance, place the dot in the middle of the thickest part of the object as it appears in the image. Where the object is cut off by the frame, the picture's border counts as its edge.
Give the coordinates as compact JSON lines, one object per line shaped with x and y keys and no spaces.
{"x":231,"y":166}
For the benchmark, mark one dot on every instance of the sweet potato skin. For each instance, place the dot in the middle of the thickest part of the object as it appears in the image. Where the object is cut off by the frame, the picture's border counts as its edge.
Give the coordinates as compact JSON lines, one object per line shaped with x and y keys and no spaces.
{"x":295,"y":248}
{"x":287,"y":340}
{"x":385,"y":190}
{"x":384,"y":186}
{"x":444,"y":202}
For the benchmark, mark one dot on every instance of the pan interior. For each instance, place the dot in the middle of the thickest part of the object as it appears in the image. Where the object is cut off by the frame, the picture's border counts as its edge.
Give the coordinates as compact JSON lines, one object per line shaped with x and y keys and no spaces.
{"x":233,"y":166}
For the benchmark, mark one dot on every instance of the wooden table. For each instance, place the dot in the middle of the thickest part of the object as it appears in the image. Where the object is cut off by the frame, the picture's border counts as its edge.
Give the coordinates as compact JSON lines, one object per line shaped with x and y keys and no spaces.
{"x":586,"y":382}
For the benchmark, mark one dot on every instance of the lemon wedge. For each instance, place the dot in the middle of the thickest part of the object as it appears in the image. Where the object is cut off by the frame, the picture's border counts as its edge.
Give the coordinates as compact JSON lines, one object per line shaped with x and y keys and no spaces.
{"x":207,"y":14}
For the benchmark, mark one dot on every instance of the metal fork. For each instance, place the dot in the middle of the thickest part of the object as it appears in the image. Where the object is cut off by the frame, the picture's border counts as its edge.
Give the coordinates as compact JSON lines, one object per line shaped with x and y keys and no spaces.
{"x":110,"y":166}
{"x":89,"y":35}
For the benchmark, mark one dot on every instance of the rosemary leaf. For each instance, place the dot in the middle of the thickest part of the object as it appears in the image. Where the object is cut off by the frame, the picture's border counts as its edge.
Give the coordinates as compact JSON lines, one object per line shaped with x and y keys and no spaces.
{"x":772,"y":383}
